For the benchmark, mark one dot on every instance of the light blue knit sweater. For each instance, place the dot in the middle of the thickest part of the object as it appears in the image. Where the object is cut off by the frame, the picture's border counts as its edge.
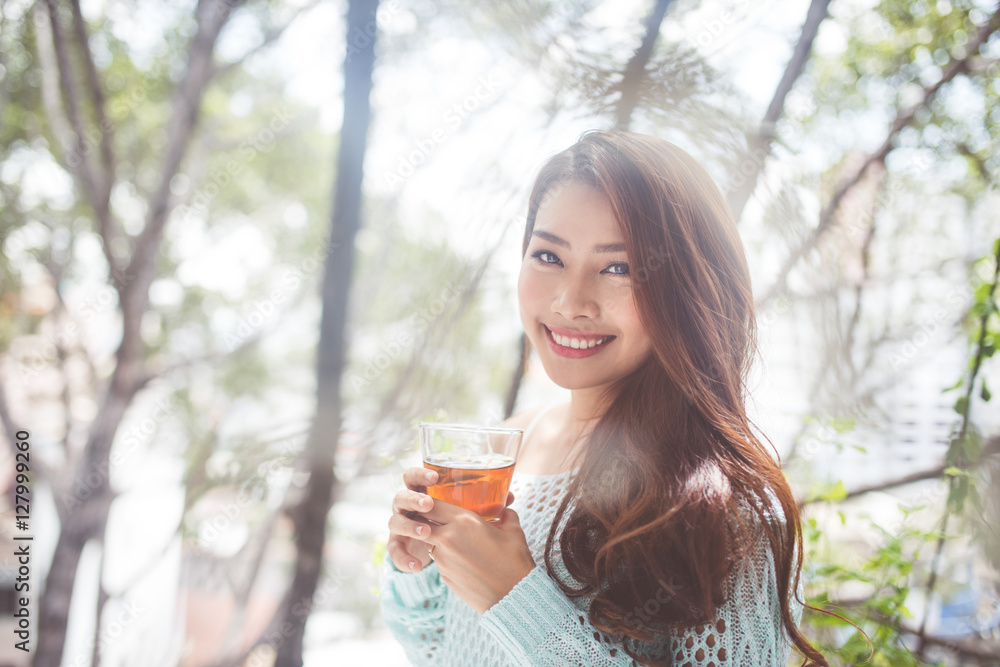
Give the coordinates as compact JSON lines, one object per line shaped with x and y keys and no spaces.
{"x":536,"y":624}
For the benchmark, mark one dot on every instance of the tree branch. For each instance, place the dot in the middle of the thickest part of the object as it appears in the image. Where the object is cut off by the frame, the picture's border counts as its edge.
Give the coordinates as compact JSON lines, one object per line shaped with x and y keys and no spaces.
{"x":964,"y":647}
{"x":71,"y":97}
{"x":212,"y":357}
{"x":636,"y":67}
{"x":96,"y":190}
{"x":102,"y":190}
{"x":50,"y":87}
{"x":903,"y":119}
{"x":241,"y":591}
{"x":272,"y":35}
{"x":389,"y":404}
{"x":760,"y":145}
{"x":515,"y":383}
{"x":933,"y":473}
{"x":133,"y":284}
{"x":970,"y":647}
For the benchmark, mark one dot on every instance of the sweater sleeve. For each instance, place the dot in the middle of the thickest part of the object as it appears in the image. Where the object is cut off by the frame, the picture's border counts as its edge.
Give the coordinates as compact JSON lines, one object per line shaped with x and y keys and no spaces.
{"x":538,"y":625}
{"x":413,"y":609}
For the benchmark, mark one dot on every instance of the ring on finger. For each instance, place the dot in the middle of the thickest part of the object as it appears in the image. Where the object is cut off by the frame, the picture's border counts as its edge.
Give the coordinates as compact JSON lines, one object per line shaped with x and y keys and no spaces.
{"x":430,"y":552}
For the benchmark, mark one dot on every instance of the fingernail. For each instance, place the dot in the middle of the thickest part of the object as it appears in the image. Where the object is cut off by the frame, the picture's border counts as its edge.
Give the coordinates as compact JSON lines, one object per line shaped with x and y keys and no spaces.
{"x":413,"y":564}
{"x":430,"y":475}
{"x":425,"y":501}
{"x":420,"y":530}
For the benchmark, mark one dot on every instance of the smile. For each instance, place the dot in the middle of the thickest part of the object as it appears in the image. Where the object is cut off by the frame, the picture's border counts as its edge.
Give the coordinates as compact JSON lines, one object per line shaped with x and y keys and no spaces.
{"x":576,"y":346}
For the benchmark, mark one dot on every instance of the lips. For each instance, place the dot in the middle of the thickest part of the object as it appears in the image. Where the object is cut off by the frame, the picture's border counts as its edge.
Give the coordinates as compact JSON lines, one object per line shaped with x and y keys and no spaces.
{"x":575,"y":344}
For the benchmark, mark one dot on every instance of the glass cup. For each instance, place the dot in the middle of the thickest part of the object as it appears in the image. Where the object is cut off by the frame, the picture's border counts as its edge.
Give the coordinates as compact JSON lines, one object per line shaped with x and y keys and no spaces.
{"x":474,"y":464}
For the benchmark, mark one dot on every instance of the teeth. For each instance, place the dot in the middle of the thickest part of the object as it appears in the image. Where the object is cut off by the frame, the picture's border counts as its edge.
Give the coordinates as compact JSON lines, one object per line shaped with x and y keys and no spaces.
{"x":577,"y":343}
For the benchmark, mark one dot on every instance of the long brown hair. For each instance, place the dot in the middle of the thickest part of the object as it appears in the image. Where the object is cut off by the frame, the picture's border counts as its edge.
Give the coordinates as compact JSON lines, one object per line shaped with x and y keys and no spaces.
{"x":674,"y":489}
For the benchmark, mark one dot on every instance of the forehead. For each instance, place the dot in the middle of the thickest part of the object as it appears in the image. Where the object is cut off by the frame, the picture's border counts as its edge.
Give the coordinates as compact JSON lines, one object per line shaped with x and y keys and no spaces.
{"x":577,"y":210}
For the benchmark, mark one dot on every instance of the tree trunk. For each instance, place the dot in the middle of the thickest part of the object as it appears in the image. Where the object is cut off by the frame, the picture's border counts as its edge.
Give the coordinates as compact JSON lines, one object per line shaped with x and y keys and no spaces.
{"x":85,"y":518}
{"x":310,"y":516}
{"x":84,"y":510}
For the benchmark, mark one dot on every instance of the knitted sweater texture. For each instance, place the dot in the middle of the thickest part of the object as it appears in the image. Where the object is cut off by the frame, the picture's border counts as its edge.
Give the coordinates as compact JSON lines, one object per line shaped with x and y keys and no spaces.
{"x":537,"y":625}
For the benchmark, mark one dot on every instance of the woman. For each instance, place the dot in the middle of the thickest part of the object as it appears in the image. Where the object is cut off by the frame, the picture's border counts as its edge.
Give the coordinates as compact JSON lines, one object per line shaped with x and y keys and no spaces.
{"x":646,"y":523}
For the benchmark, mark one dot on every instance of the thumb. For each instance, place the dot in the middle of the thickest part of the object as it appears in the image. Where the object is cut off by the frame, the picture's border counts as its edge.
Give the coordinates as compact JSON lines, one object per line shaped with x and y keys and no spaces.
{"x":510,"y":497}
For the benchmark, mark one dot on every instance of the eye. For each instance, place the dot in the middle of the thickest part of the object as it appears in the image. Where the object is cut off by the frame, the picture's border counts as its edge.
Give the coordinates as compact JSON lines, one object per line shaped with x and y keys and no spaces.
{"x":618,"y":269}
{"x":540,"y":256}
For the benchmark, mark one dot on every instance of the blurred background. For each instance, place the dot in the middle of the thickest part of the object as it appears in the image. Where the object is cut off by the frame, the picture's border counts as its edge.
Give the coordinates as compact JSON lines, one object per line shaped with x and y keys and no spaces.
{"x":247,"y":245}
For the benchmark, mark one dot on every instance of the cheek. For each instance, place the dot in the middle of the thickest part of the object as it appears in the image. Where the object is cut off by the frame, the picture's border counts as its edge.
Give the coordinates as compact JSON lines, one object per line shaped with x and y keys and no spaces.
{"x":627,"y":316}
{"x":616,"y":301}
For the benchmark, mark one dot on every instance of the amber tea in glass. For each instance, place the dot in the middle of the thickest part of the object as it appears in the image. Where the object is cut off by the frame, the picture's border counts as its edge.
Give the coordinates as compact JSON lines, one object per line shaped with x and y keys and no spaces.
{"x":474,"y":464}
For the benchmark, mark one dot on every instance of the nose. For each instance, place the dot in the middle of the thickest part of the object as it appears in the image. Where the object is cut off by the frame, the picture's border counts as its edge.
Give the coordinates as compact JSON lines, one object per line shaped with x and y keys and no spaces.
{"x":574,"y":298}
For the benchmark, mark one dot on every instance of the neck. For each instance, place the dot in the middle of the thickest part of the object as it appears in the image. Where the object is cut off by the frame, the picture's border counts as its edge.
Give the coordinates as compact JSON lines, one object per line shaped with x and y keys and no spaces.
{"x":586,"y":407}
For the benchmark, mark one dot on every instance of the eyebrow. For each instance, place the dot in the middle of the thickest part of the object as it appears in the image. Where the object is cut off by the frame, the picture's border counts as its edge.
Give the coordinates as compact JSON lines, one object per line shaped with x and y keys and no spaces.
{"x":600,"y":248}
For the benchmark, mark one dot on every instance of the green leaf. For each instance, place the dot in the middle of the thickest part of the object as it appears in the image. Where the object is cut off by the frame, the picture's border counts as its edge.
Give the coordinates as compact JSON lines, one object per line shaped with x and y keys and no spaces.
{"x":961,"y":405}
{"x":842,"y":424}
{"x":831,"y":493}
{"x":952,"y":471}
{"x":983,"y":307}
{"x":856,"y":646}
{"x":958,"y":493}
{"x":985,"y":393}
{"x":973,"y":444}
{"x":860,"y":449}
{"x":953,"y":387}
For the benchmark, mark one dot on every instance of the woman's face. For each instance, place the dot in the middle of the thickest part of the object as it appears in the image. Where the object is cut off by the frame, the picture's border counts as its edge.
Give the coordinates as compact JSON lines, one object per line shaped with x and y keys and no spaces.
{"x":575,"y":291}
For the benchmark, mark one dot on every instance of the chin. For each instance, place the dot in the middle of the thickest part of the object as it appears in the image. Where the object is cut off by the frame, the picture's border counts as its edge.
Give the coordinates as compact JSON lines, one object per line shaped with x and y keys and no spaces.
{"x":572,"y":381}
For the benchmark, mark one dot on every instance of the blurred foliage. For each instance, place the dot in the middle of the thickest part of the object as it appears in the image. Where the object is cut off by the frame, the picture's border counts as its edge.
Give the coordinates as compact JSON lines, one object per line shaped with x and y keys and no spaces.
{"x":229,"y":350}
{"x":893,"y":54}
{"x":881,"y":583}
{"x":258,"y":176}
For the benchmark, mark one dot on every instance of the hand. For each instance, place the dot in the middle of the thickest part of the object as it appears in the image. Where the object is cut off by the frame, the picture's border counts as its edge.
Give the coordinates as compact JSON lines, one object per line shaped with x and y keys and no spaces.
{"x":407,"y":528}
{"x":479,"y":561}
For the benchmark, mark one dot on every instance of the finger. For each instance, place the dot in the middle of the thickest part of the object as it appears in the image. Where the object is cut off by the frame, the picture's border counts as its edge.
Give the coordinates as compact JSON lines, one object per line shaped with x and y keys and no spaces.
{"x":510,"y":497}
{"x":445,"y":513}
{"x":509,"y":518}
{"x":417,"y":479}
{"x":412,"y":501}
{"x":401,"y":558}
{"x":408,"y":527}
